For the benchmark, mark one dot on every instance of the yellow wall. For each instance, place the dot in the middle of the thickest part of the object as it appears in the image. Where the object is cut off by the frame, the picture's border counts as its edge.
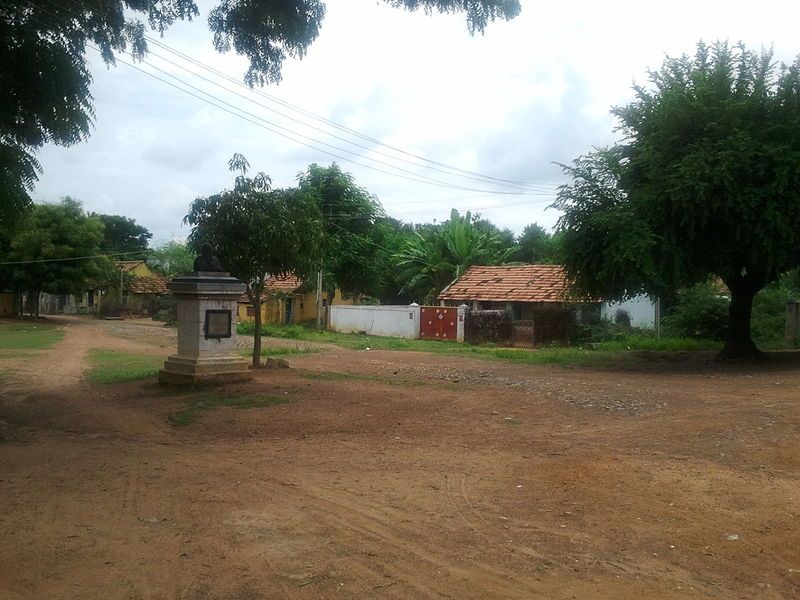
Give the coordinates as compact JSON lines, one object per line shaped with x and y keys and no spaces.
{"x":6,"y":304}
{"x":273,"y":310}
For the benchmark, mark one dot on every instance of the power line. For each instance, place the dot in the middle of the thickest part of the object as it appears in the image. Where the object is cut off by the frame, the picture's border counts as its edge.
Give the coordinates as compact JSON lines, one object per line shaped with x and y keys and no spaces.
{"x":245,"y":115}
{"x":48,"y":260}
{"x":447,"y":171}
{"x":518,"y":185}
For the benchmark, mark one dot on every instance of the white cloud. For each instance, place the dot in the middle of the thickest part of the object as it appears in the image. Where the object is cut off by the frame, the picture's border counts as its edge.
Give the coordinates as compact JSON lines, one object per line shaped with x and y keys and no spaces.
{"x":508,"y":104}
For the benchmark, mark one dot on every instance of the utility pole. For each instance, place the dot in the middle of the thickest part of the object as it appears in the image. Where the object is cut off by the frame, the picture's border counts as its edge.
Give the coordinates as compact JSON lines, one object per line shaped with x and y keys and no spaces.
{"x":319,"y":299}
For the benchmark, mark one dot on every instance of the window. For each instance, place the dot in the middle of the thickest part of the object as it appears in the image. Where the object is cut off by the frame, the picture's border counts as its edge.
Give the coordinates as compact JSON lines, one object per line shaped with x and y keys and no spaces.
{"x":251,"y":310}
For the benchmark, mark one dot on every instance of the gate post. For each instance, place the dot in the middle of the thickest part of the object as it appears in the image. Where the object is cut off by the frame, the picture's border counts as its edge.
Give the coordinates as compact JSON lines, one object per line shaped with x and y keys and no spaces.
{"x":462,"y":315}
{"x":413,"y":314}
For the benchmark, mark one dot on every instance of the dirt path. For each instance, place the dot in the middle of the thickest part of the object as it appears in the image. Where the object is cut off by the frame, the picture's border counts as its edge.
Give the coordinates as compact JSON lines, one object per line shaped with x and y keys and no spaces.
{"x":403,"y":475}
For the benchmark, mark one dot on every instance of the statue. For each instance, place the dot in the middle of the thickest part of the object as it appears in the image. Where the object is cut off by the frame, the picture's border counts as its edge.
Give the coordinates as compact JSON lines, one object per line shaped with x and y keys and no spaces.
{"x":207,"y":261}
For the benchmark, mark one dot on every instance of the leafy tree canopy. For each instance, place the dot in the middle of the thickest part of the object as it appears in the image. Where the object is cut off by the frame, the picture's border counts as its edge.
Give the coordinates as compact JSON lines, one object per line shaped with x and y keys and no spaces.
{"x":45,"y":81}
{"x":349,"y":215}
{"x":122,"y":234}
{"x":172,"y":258}
{"x":537,"y":246}
{"x":57,"y":249}
{"x":256,"y":231}
{"x":706,"y":181}
{"x":433,"y":257}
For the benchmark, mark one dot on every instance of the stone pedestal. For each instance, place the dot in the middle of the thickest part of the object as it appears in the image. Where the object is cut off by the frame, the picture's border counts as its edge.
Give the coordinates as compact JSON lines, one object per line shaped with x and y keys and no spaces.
{"x":206,"y":331}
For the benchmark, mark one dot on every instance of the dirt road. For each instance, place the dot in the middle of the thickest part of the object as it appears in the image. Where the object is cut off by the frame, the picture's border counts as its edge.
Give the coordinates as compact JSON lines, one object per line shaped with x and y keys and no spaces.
{"x":401,"y":475}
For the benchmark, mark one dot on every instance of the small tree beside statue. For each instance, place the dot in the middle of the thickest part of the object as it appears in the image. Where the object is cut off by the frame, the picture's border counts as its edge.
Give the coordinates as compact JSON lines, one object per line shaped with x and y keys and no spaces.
{"x":256,"y":232}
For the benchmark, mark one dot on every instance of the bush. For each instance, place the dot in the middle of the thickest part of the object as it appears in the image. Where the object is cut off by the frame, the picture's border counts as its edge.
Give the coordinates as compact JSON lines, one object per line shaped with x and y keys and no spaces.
{"x":165,"y":309}
{"x":769,"y":313}
{"x":605,"y":331}
{"x":701,"y":312}
{"x":292,"y":332}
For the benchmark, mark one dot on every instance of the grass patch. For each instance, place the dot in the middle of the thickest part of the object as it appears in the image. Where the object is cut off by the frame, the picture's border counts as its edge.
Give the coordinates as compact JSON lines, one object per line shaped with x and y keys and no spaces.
{"x":28,"y":336}
{"x":598,"y":354}
{"x":111,"y":366}
{"x":198,"y":405}
{"x":284,"y":351}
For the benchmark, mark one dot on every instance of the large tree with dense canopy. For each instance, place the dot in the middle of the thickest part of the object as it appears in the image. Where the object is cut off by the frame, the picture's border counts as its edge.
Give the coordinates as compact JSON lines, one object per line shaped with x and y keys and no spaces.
{"x":705,"y":183}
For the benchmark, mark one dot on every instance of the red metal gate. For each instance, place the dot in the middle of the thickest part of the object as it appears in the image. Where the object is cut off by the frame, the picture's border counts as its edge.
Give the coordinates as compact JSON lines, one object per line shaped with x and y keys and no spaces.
{"x":438,"y":322}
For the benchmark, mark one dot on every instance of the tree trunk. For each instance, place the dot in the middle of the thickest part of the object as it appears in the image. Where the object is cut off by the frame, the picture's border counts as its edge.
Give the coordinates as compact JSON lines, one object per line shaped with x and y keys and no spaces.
{"x":255,"y":298}
{"x":740,"y":344}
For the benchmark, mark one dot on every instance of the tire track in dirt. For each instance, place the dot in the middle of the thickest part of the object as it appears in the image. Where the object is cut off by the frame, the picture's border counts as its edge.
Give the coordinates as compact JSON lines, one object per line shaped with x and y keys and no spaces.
{"x":57,"y":375}
{"x":357,"y":520}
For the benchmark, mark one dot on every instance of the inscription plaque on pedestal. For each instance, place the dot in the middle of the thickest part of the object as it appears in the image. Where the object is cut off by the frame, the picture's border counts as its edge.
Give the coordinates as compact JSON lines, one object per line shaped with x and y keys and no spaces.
{"x":218,"y":324}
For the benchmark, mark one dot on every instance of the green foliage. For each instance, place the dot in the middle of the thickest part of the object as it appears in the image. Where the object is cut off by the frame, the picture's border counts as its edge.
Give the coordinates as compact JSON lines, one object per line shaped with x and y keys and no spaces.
{"x":700,"y":312}
{"x":433,"y":257}
{"x":204,"y":401}
{"x":769,"y":312}
{"x":172,"y":258}
{"x":45,"y":79}
{"x":605,"y":331}
{"x":349,"y":215}
{"x":58,"y":231}
{"x":614,"y":351}
{"x":122,"y":234}
{"x":26,"y":336}
{"x":705,"y":182}
{"x":112,"y":366}
{"x":536,"y":246}
{"x":257,"y":232}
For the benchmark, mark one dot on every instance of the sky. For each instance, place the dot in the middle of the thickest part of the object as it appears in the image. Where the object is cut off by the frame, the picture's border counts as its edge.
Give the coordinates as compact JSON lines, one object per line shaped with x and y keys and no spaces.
{"x":507,"y":105}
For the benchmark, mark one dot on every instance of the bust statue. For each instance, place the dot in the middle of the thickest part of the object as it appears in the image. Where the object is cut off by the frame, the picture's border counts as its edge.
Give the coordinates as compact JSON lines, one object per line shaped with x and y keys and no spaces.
{"x":207,"y":261}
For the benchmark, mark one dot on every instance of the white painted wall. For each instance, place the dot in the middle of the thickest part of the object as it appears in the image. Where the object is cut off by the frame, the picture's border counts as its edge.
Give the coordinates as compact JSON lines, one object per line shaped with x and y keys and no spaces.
{"x":642,"y":310}
{"x":394,"y":321}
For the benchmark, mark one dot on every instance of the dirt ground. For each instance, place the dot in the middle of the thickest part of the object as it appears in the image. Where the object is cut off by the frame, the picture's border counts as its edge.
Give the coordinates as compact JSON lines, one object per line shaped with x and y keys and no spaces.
{"x":415,"y":476}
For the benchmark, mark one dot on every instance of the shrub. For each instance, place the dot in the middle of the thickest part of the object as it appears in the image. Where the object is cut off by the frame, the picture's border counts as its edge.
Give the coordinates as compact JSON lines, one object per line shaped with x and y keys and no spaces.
{"x":605,"y":331}
{"x":701,"y":312}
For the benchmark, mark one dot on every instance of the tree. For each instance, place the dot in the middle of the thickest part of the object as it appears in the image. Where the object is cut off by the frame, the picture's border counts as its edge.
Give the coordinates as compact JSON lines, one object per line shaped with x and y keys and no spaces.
{"x":172,"y":258}
{"x":349,"y":214}
{"x":434,"y":257}
{"x":705,"y":182}
{"x":257,"y":231}
{"x":57,"y":252}
{"x":122,"y":235}
{"x":45,"y":81}
{"x":536,"y":245}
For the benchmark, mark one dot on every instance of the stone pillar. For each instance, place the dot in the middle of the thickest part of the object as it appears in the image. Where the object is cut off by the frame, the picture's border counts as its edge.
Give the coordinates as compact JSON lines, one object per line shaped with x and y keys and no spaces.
{"x":463,"y":309}
{"x":206,"y":331}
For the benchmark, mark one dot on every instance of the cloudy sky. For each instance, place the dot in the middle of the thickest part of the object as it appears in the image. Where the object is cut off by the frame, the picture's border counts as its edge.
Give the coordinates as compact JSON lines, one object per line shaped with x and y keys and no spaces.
{"x":506,"y":105}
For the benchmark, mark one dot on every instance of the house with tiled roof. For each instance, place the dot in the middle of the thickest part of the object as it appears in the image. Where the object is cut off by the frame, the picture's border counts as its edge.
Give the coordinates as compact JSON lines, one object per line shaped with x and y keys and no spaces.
{"x":285,"y":300}
{"x":533,"y":292}
{"x":140,"y":285}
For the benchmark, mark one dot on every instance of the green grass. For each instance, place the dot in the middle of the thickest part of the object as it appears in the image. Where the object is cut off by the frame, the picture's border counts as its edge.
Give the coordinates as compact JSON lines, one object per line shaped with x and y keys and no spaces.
{"x":284,"y":351}
{"x":28,"y":336}
{"x":111,"y":366}
{"x":594,"y":354}
{"x":206,"y":401}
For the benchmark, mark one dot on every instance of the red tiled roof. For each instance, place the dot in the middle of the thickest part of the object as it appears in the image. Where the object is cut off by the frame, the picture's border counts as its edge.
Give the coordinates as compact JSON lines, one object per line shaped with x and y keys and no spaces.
{"x":277,"y":285}
{"x":147,"y":285}
{"x":522,"y":283}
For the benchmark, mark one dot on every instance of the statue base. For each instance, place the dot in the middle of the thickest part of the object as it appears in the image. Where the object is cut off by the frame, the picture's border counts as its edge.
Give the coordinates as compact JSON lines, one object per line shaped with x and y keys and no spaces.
{"x":207,"y":352}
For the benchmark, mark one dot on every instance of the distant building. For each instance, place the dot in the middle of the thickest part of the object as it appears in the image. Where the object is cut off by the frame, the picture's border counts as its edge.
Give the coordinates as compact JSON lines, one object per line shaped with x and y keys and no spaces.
{"x":285,"y":301}
{"x":531,"y":292}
